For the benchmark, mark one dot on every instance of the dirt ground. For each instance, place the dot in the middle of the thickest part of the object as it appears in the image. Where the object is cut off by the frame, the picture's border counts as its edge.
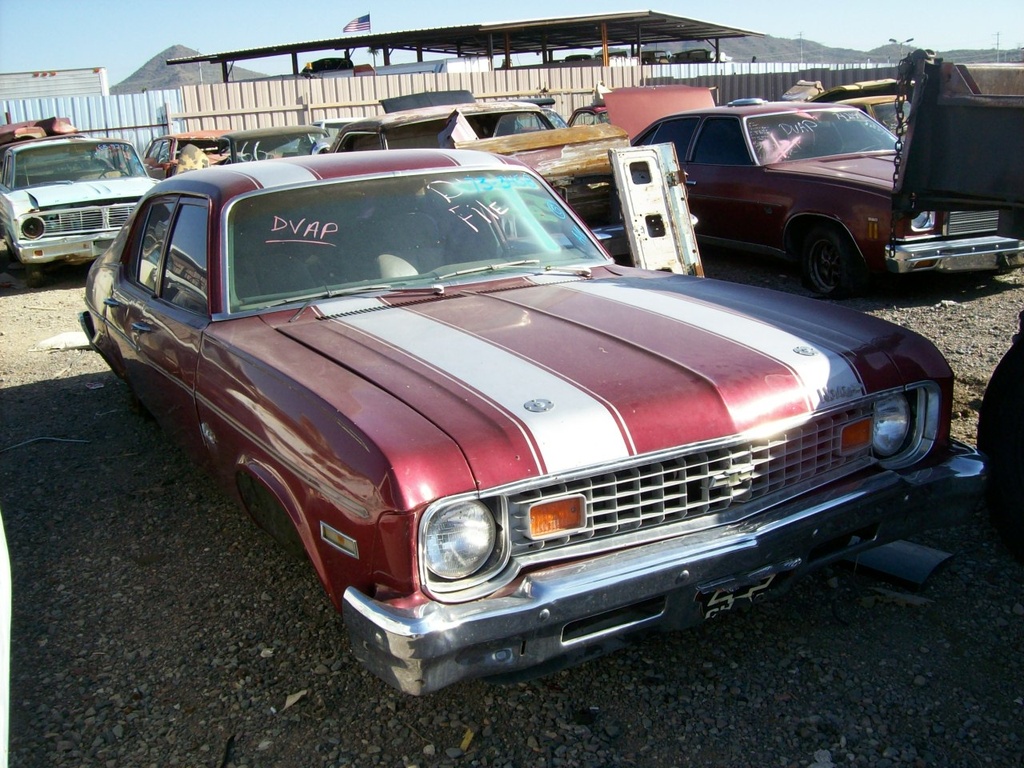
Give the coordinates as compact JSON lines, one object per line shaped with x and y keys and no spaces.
{"x":154,"y":625}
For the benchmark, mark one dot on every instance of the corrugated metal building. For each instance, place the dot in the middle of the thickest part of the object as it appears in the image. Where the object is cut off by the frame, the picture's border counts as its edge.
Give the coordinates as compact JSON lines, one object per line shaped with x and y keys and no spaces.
{"x":56,"y":82}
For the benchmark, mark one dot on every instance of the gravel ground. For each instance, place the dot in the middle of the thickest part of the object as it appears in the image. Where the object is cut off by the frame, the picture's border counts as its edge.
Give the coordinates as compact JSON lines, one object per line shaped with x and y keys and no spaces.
{"x":154,"y":626}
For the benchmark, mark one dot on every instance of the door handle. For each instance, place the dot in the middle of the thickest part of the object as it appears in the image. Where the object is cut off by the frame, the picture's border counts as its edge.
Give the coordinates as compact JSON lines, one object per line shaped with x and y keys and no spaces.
{"x":142,"y":327}
{"x":110,"y":301}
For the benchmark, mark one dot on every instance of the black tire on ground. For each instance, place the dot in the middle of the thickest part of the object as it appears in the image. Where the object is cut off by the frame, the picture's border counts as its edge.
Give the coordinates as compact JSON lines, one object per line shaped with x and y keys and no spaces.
{"x":831,"y":265}
{"x":35,"y":276}
{"x":1001,"y":437}
{"x":6,"y":254}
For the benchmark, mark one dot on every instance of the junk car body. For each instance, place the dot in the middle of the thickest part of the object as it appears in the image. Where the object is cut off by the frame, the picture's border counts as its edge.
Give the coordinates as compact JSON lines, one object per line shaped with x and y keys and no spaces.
{"x":574,"y":159}
{"x":64,"y":197}
{"x":813,"y":182}
{"x":501,"y":452}
{"x":163,"y":155}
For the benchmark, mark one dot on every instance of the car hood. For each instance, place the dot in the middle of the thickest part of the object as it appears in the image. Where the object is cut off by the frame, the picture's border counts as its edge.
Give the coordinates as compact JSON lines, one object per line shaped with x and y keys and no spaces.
{"x":79,"y":192}
{"x":873,"y":170}
{"x":537,"y":379}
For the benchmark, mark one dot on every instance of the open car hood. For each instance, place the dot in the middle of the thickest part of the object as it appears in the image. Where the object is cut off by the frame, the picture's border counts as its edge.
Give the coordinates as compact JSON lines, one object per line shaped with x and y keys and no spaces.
{"x":542,"y":379}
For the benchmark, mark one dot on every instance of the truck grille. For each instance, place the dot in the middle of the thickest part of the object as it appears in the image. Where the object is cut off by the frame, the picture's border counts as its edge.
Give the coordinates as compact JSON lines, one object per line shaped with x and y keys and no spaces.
{"x":73,"y":221}
{"x":971,"y":222}
{"x":696,"y":484}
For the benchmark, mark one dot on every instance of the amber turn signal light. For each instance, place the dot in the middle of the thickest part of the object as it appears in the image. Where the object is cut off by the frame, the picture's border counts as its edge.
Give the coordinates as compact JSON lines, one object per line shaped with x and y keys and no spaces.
{"x":855,"y":436}
{"x":557,"y":517}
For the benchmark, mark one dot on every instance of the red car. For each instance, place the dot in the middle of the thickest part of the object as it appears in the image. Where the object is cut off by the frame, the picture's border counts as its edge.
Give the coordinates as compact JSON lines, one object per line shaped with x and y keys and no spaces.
{"x":501,"y":452}
{"x":813,"y":182}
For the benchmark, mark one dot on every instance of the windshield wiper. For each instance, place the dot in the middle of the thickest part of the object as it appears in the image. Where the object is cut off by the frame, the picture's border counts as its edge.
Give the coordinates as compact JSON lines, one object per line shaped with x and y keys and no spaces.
{"x":328,"y":293}
{"x":333,"y":293}
{"x":490,"y":268}
{"x":576,"y":271}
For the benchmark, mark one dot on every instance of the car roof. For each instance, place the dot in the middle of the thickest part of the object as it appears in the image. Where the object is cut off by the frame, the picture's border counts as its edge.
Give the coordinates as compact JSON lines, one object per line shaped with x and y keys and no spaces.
{"x":884,"y":87}
{"x":210,"y":133}
{"x":764,"y":108}
{"x":439,"y":111}
{"x":72,"y":138}
{"x":224,"y":182}
{"x":276,"y":130}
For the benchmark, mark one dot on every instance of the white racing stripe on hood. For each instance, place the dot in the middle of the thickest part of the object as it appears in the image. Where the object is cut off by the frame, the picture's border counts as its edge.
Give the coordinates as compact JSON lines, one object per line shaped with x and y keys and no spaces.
{"x":827,"y":376}
{"x":579,"y":430}
{"x":267,"y":173}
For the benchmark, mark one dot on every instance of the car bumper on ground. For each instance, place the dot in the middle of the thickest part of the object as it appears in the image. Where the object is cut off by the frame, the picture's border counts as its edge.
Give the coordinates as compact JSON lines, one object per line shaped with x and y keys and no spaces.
{"x":965,"y":255}
{"x":567,"y":613}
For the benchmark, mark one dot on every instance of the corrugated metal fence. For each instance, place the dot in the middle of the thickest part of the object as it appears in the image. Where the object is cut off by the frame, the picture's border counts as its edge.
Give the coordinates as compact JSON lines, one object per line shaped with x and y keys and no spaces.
{"x":138,"y":117}
{"x":296,"y":101}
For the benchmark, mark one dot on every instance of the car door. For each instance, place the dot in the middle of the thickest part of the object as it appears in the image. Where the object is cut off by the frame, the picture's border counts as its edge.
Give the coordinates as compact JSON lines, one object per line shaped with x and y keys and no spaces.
{"x":158,"y":158}
{"x":166,"y":312}
{"x":727,"y":190}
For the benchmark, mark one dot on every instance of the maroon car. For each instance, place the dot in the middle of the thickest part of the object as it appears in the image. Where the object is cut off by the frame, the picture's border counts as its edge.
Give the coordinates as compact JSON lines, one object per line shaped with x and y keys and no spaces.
{"x":501,"y":452}
{"x":813,"y":182}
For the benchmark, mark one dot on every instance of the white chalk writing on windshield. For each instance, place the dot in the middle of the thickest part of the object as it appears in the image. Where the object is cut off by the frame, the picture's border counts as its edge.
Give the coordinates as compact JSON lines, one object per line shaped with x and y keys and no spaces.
{"x":302,"y":231}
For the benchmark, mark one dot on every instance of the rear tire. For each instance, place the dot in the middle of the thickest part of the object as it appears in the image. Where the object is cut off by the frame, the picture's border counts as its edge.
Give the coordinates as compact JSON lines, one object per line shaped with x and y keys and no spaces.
{"x":1001,"y":437}
{"x":831,"y":265}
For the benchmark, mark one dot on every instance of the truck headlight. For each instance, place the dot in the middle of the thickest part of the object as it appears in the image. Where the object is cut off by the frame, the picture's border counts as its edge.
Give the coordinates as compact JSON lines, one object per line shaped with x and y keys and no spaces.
{"x":459,"y":539}
{"x":890,"y":425}
{"x":923,"y":222}
{"x":33,"y":227}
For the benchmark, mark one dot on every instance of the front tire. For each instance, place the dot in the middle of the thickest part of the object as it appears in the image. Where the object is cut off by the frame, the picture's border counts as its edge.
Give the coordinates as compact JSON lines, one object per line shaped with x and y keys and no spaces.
{"x":831,"y":265}
{"x":1001,"y":437}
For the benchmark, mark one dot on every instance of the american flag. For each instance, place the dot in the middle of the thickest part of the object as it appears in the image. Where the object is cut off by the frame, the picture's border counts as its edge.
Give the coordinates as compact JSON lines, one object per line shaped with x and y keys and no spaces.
{"x":362,"y":24}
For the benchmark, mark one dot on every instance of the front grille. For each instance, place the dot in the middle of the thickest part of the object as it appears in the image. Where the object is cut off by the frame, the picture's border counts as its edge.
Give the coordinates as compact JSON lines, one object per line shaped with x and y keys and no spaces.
{"x":971,"y":222}
{"x":726,"y":480}
{"x":73,"y":221}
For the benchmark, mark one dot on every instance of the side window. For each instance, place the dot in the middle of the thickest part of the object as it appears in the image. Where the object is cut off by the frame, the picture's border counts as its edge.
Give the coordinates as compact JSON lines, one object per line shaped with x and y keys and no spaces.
{"x":720,"y":142}
{"x":146,"y":263}
{"x":356,"y":142}
{"x":677,"y":132}
{"x":161,"y":152}
{"x":518,"y":123}
{"x":184,"y":282}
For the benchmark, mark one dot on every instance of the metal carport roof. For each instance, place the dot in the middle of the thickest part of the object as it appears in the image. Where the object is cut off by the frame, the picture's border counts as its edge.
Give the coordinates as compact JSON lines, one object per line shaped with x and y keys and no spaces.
{"x":633,"y":29}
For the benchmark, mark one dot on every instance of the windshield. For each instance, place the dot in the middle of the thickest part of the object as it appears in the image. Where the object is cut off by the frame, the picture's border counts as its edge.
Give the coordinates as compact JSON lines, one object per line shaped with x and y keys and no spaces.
{"x":269,"y":147}
{"x":815,"y":133}
{"x":73,"y":161}
{"x":400,"y":232}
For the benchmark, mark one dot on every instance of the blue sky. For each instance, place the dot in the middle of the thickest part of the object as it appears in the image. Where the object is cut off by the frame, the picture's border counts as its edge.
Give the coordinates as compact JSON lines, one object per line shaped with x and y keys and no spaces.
{"x":122,"y":35}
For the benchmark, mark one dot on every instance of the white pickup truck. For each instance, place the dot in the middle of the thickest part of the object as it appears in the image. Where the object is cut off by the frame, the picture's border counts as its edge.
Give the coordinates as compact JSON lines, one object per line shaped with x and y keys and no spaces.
{"x":64,"y":197}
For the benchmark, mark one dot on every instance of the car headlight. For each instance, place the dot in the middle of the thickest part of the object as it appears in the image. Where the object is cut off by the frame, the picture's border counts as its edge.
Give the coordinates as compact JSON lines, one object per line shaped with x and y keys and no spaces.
{"x":33,"y":227}
{"x":459,"y":539}
{"x":923,"y":222}
{"x":890,"y":425}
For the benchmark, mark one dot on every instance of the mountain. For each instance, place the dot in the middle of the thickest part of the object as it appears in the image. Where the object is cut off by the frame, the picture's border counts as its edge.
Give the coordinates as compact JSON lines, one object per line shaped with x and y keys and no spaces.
{"x":156,"y":74}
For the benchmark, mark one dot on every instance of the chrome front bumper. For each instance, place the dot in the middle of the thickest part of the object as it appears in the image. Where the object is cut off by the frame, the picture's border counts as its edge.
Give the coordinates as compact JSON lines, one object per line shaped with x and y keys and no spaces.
{"x":566,"y":614}
{"x":74,"y":249}
{"x":964,"y":255}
